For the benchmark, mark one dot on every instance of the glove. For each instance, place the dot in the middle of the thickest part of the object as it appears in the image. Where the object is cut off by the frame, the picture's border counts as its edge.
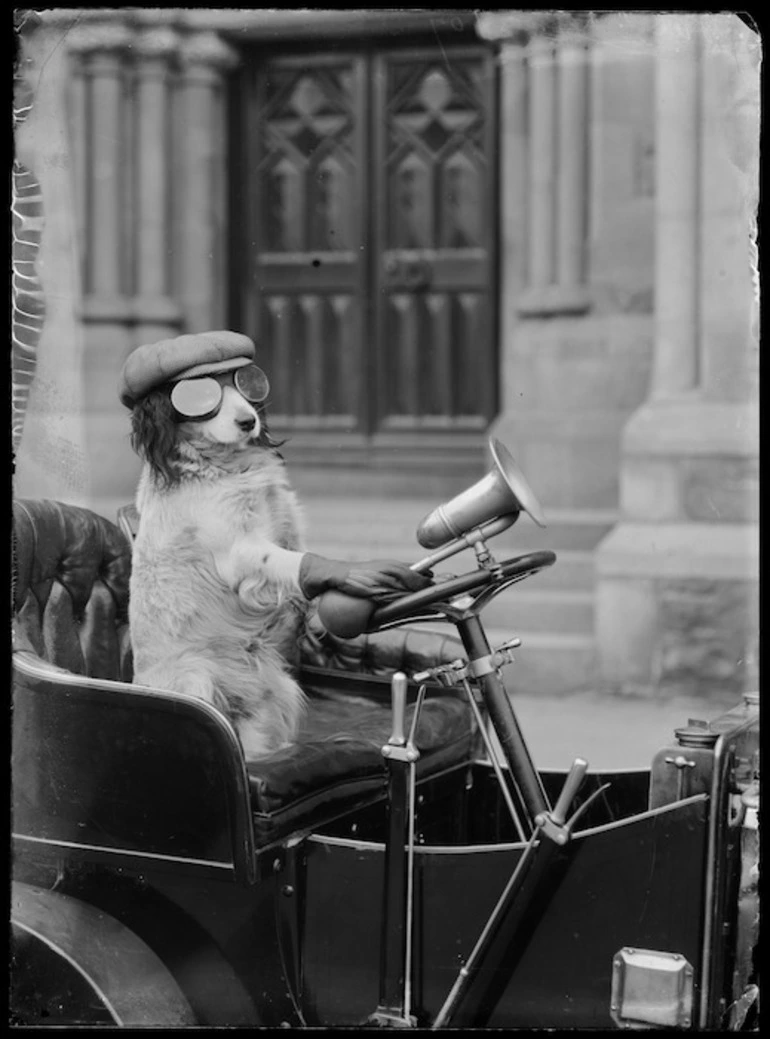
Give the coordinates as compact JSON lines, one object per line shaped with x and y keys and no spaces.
{"x":376,"y":579}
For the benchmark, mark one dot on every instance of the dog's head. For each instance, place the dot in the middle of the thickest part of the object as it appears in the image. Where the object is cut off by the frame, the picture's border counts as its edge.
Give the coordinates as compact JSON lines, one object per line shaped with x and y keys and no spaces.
{"x":174,"y":445}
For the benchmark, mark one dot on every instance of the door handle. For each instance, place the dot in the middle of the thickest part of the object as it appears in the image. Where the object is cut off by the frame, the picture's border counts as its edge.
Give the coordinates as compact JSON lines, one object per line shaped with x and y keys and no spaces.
{"x":408,"y":273}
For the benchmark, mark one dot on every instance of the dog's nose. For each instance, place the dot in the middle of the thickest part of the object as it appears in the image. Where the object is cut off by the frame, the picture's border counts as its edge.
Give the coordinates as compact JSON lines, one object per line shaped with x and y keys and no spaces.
{"x":246,"y":424}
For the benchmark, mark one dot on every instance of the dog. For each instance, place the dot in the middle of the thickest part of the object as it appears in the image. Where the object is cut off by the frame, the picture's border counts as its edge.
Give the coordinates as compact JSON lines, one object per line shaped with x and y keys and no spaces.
{"x":221,"y":582}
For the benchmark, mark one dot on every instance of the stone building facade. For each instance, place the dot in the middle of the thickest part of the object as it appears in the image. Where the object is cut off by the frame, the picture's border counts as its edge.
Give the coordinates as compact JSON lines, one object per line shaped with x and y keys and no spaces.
{"x":622,"y":164}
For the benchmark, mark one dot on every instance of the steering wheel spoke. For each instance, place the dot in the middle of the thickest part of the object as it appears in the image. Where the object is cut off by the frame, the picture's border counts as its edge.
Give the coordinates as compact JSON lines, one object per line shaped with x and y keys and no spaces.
{"x":483,"y":584}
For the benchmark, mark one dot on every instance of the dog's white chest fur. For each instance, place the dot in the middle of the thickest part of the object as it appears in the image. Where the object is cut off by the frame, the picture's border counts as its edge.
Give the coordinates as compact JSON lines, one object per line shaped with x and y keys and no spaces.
{"x":212,"y":612}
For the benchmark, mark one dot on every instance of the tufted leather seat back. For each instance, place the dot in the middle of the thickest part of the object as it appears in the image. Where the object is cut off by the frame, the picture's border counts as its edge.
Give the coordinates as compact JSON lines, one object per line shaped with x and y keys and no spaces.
{"x":70,"y":589}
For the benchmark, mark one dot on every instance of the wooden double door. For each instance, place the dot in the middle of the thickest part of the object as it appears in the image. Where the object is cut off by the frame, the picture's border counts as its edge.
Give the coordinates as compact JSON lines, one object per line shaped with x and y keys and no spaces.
{"x":366,"y":226}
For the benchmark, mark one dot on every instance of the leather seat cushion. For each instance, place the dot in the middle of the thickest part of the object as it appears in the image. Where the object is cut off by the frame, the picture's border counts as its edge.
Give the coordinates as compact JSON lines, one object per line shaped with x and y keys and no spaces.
{"x":376,"y":653}
{"x":70,"y":588}
{"x":70,"y":606}
{"x":337,"y":760}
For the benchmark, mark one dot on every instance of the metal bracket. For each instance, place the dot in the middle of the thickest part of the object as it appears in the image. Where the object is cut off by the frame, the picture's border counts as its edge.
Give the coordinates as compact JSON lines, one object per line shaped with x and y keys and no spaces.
{"x":558,"y":832}
{"x":398,"y":753}
{"x":388,"y":1019}
{"x":680,"y":762}
{"x":494,"y":660}
{"x":554,"y":824}
{"x":447,"y":674}
{"x":651,"y":989}
{"x":459,"y":670}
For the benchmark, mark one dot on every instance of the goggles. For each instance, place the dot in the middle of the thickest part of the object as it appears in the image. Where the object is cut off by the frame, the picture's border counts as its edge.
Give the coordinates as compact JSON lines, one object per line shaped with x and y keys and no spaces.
{"x":201,"y":397}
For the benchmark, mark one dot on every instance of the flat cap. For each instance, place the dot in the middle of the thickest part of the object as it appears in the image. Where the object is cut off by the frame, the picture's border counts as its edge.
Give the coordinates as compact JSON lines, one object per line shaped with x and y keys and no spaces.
{"x":169,"y":360}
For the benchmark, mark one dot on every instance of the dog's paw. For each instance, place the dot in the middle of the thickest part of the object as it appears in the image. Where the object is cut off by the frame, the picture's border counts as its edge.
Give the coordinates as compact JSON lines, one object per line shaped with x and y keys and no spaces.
{"x":257,"y":595}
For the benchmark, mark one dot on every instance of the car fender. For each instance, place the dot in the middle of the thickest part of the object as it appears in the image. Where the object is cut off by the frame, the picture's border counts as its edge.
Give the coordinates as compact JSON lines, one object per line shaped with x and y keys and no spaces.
{"x":73,"y":963}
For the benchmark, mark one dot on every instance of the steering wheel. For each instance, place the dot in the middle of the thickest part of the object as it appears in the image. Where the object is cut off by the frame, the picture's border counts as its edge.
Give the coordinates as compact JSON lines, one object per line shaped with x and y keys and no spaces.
{"x":347,"y":616}
{"x":492,"y":581}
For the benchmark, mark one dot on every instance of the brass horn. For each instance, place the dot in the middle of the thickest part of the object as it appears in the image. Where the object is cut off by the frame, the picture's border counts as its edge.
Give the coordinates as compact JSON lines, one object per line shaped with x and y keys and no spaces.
{"x":502,"y":492}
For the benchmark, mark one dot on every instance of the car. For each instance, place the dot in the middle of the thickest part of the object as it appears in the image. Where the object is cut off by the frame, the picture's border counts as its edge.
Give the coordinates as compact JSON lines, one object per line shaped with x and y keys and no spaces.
{"x":405,"y":864}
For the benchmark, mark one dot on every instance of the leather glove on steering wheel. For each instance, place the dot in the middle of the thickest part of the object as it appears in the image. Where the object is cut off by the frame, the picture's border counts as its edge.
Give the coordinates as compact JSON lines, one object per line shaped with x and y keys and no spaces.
{"x":375,"y":579}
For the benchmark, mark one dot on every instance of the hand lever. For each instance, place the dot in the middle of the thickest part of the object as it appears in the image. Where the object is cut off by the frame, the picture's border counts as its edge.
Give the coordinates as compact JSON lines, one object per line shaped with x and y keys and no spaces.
{"x":481,"y":980}
{"x":398,"y":687}
{"x":398,"y":747}
{"x":554,"y":823}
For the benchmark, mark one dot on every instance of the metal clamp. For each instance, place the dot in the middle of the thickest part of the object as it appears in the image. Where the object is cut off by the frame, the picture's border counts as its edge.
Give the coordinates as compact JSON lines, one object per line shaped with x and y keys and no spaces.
{"x":459,"y":670}
{"x":395,"y":753}
{"x":681,"y":763}
{"x":494,"y":660}
{"x":447,"y":674}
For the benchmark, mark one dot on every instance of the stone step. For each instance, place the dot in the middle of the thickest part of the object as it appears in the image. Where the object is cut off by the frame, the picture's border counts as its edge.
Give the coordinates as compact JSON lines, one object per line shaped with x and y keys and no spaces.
{"x":389,"y":524}
{"x":329,"y":534}
{"x":551,"y":614}
{"x":546,"y":663}
{"x":555,"y":610}
{"x":573,"y":529}
{"x":363,"y":526}
{"x":573,"y":569}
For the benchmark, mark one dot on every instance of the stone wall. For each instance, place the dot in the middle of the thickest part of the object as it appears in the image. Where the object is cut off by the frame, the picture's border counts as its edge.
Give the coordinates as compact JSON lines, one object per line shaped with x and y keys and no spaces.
{"x":676,"y":598}
{"x":572,"y":383}
{"x":126,"y":136}
{"x":707,"y":642}
{"x":578,"y":263}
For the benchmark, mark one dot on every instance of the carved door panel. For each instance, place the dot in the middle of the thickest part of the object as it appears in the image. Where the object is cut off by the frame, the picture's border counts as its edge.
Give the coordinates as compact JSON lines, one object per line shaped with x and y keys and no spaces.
{"x":367,"y":249}
{"x":307,"y":182}
{"x":435,"y":292}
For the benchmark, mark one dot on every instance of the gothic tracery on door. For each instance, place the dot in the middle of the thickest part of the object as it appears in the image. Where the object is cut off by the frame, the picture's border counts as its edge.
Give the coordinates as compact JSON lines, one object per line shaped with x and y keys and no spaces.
{"x":367,"y":272}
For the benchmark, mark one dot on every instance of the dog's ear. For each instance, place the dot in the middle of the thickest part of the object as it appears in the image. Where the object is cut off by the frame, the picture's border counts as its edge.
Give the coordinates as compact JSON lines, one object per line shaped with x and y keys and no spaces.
{"x":154,"y":435}
{"x":266,"y":439}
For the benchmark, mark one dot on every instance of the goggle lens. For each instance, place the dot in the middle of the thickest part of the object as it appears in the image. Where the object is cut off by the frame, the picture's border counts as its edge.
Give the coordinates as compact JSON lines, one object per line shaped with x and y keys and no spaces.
{"x":252,"y":383}
{"x":199,"y":398}
{"x":196,"y":398}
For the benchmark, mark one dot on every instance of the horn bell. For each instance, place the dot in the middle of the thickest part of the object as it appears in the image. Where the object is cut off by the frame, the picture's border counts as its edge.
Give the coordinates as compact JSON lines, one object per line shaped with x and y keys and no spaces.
{"x":504,"y":490}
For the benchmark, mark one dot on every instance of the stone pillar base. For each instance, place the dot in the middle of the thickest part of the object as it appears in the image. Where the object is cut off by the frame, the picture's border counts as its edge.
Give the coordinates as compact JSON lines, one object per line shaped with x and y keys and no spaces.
{"x":571,"y":461}
{"x":691,"y":459}
{"x":677,"y":579}
{"x":677,"y":607}
{"x":570,"y":388}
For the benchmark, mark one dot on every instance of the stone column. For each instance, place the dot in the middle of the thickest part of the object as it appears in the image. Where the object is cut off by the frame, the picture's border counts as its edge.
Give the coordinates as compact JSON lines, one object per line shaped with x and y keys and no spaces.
{"x":541,"y":240}
{"x":544,"y":129}
{"x":678,"y":160}
{"x":677,"y":578}
{"x":514,"y":210}
{"x":200,"y":182}
{"x":729,"y":182}
{"x":101,"y":127}
{"x":101,"y":43}
{"x":573,"y":158}
{"x":558,"y":66}
{"x":157,"y":314}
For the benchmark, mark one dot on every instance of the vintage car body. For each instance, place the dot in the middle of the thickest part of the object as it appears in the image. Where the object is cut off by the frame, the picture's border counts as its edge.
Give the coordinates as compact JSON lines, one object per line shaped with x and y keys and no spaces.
{"x":161,"y":880}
